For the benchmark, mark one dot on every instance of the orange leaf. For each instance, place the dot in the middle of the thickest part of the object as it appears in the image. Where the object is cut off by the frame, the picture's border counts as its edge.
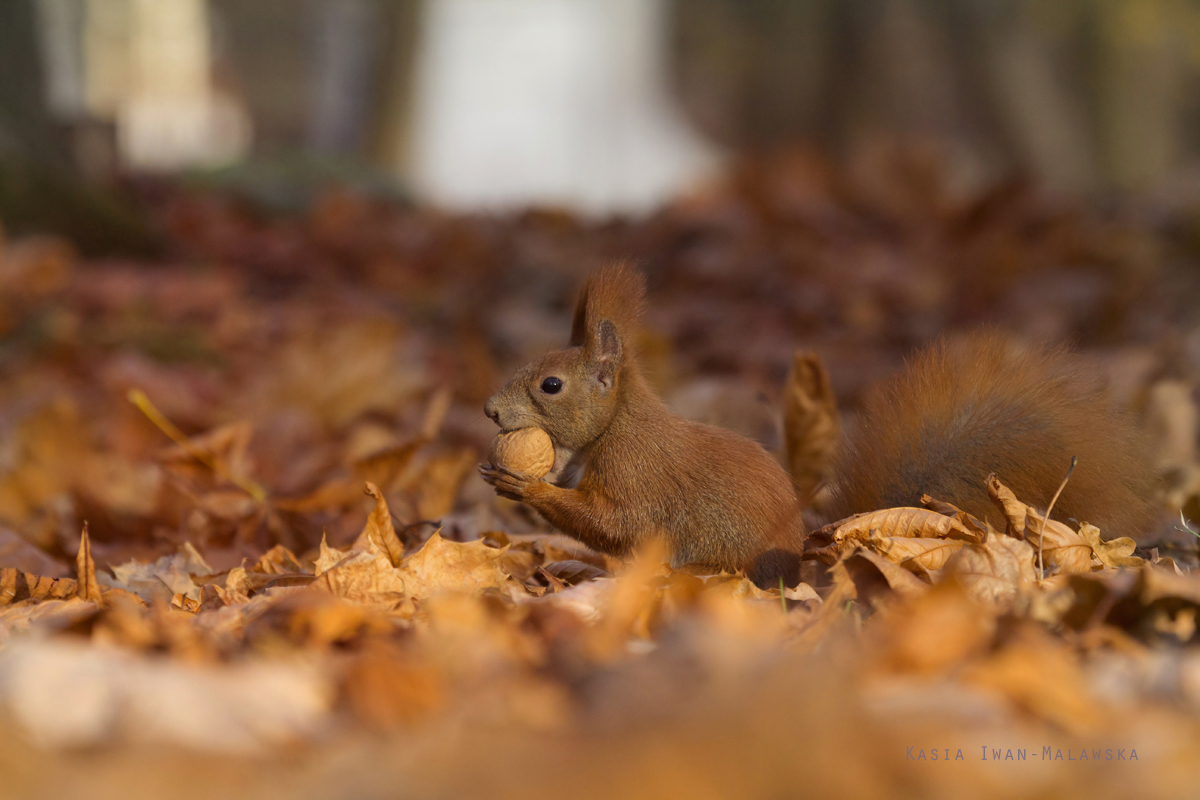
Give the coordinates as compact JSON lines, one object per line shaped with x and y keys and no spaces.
{"x":87,"y":587}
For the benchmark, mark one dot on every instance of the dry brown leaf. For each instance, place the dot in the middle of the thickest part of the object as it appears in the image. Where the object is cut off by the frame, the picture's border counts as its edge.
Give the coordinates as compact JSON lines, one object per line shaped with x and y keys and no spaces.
{"x":366,"y":577}
{"x":122,"y":485}
{"x":916,"y":554}
{"x":971,"y":523}
{"x":1181,"y":623}
{"x":902,"y":522}
{"x":629,"y":601}
{"x":16,"y":552}
{"x":47,"y":452}
{"x":44,"y":588}
{"x":1163,"y":583}
{"x":379,"y":528}
{"x":225,"y":446}
{"x":1042,"y":676}
{"x":36,"y":266}
{"x":237,"y":587}
{"x":811,"y":425}
{"x":833,"y":609}
{"x":8,"y":585}
{"x":55,"y":612}
{"x":573,"y":572}
{"x":441,"y":565}
{"x":1063,"y":550}
{"x":317,"y":619}
{"x":328,"y":557}
{"x":437,"y":485}
{"x":996,"y":572}
{"x":185,"y":603}
{"x":522,"y":563}
{"x":278,"y":561}
{"x":875,"y":577}
{"x":332,"y":495}
{"x":165,"y":577}
{"x":1114,"y":553}
{"x":88,"y":588}
{"x":385,"y":467}
{"x":934,"y":630}
{"x":386,"y":688}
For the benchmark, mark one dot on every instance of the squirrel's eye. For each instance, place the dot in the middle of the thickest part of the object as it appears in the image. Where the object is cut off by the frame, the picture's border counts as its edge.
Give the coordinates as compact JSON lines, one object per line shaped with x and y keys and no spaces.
{"x":552,"y":386}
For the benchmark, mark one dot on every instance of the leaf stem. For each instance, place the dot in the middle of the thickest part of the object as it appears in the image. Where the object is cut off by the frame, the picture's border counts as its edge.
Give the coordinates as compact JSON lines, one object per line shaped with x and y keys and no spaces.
{"x":1049,"y":508}
{"x":250,"y":487}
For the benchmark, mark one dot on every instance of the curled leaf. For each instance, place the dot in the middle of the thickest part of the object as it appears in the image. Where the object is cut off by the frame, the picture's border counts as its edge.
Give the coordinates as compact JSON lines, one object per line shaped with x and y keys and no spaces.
{"x":810,"y":424}
{"x":902,"y":522}
{"x":1113,"y":553}
{"x":379,"y":528}
{"x":87,"y":587}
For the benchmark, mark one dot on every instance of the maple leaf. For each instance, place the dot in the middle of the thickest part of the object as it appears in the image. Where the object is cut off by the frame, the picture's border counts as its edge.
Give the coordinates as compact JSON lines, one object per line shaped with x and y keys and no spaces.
{"x":379,"y":528}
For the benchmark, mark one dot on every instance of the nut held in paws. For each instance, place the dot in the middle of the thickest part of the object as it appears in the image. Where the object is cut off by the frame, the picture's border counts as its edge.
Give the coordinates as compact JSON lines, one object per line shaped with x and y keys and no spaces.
{"x":528,"y":450}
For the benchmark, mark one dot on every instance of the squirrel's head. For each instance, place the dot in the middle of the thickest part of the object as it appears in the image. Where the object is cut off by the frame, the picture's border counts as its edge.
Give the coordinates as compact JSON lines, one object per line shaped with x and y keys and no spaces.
{"x":573,"y":394}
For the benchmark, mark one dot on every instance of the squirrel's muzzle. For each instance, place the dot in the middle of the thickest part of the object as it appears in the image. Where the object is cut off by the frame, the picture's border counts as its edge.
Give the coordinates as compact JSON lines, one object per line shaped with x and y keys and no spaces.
{"x":491,"y":411}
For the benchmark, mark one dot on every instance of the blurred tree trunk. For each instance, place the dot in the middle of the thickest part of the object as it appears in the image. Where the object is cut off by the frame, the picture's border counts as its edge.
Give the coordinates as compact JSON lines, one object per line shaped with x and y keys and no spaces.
{"x":40,"y":187}
{"x":1088,"y":96}
{"x":25,"y":121}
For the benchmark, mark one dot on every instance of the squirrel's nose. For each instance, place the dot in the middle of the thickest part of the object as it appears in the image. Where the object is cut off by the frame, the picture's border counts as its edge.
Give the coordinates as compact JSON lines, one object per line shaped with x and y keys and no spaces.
{"x":492,"y":412}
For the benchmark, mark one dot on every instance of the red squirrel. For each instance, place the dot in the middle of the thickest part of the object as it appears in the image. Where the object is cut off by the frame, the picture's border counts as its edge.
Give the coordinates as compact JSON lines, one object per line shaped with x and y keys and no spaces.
{"x":628,"y":469}
{"x":720,"y":500}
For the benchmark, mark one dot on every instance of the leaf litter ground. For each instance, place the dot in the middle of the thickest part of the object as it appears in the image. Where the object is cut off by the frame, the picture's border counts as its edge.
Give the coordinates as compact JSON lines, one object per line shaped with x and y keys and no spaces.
{"x":243,"y":550}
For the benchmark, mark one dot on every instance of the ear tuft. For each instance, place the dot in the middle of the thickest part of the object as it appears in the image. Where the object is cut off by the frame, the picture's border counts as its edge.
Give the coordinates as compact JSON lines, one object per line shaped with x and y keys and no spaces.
{"x":615,"y":293}
{"x":608,"y":341}
{"x":607,"y":352}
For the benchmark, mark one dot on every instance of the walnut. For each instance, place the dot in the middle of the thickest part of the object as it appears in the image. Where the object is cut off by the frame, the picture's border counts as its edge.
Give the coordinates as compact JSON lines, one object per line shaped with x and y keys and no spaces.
{"x":527,"y":450}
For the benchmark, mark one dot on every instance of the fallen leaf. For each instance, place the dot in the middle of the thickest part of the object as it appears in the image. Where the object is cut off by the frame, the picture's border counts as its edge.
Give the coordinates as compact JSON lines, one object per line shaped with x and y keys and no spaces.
{"x":1063,"y":550}
{"x":278,"y":561}
{"x":573,"y":572}
{"x":328,"y":557}
{"x":386,"y":688}
{"x":1116,"y":553}
{"x":1041,"y":676}
{"x":441,"y":565}
{"x":811,"y":425}
{"x":874,"y":576}
{"x":165,"y":577}
{"x":88,"y":588}
{"x":902,"y":522}
{"x":998,"y":571}
{"x":438,"y":483}
{"x":17,"y":553}
{"x":934,"y":630}
{"x":917,"y":554}
{"x":379,"y":528}
{"x":366,"y":576}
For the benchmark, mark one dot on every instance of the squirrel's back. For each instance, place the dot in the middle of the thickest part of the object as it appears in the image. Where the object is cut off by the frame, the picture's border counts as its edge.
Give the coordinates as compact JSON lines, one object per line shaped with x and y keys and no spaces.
{"x":979,"y":404}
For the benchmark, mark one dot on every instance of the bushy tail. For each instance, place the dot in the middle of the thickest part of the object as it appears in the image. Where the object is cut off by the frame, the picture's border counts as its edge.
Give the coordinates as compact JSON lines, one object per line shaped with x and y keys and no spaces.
{"x":967,"y":407}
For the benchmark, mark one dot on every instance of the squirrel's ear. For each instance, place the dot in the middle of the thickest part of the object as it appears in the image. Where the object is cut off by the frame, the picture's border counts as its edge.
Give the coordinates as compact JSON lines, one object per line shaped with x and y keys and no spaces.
{"x":606,"y":351}
{"x":579,"y":324}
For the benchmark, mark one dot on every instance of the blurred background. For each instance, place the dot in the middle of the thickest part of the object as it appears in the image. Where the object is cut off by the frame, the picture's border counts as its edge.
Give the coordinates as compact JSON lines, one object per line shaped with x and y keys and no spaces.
{"x":310,"y":216}
{"x":309,"y":238}
{"x":598,"y":105}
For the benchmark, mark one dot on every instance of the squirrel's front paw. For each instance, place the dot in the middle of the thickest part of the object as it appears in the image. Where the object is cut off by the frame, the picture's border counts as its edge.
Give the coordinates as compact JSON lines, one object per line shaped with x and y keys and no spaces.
{"x":509,"y":483}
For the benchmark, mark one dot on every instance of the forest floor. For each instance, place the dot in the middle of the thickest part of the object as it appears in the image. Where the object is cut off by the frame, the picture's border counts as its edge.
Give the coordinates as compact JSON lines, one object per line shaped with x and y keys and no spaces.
{"x":244,"y":550}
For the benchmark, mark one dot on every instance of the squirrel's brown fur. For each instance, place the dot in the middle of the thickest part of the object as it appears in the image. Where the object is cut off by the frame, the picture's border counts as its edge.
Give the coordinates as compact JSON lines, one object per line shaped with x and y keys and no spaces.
{"x":718,"y":499}
{"x":627,"y":469}
{"x":979,"y":404}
